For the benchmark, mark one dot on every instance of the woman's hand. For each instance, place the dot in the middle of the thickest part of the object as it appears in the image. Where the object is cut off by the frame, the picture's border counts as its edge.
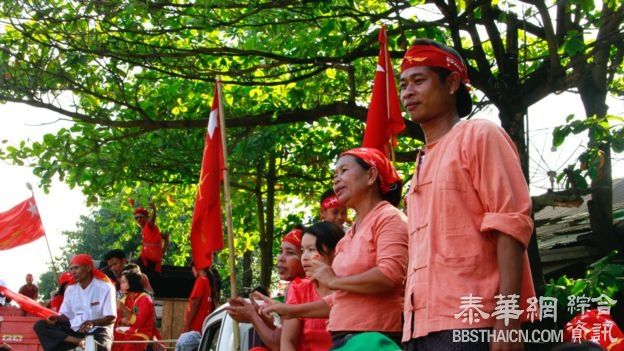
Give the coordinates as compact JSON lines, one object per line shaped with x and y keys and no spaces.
{"x":272,"y":306}
{"x":322,"y":273}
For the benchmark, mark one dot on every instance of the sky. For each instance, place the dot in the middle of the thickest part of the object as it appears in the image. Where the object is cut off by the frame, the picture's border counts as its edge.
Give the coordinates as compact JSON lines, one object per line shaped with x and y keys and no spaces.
{"x":61,"y":209}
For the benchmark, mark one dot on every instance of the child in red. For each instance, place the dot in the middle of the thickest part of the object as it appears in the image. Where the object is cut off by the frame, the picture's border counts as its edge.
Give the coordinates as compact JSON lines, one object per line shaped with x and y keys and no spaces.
{"x":135,"y":313}
{"x":310,"y":334}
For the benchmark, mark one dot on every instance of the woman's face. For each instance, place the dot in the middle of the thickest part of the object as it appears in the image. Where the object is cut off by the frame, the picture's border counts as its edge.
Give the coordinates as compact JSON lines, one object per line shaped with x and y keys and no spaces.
{"x":289,"y":262}
{"x":308,"y":244}
{"x":123,"y":284}
{"x":351,"y":180}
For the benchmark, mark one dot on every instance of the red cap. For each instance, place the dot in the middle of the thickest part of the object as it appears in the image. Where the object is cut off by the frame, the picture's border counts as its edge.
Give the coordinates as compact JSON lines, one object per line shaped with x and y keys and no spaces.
{"x":388,"y":176}
{"x":294,"y":237}
{"x":64,"y":278}
{"x":140,"y":211}
{"x":331,"y":202}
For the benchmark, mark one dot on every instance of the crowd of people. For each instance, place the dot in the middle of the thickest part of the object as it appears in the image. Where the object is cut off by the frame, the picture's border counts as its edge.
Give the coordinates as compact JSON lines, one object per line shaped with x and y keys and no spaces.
{"x":397,"y":279}
{"x":394,"y":278}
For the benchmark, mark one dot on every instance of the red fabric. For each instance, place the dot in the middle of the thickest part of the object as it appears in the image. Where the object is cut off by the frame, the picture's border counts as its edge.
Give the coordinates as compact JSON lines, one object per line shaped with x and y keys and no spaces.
{"x":597,"y":327}
{"x":314,"y":334}
{"x":140,"y":211}
{"x":56,"y":302}
{"x":331,"y":202}
{"x":142,"y":328}
{"x":383,"y":120}
{"x":294,"y":237}
{"x":201,"y":290}
{"x":20,"y":225}
{"x":388,"y":176}
{"x":27,"y":304}
{"x":65,"y":277}
{"x":151,"y":246}
{"x":432,"y":56}
{"x":206,"y":228}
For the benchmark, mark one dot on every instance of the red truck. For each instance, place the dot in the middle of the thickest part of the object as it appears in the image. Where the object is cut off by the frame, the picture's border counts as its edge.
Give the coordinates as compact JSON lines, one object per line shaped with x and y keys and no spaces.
{"x":16,"y":330}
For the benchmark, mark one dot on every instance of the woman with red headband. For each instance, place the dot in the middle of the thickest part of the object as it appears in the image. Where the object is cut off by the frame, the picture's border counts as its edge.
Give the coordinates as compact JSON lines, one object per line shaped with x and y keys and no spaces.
{"x":468,"y":208}
{"x":332,"y":210}
{"x":289,"y":269}
{"x":369,"y":268}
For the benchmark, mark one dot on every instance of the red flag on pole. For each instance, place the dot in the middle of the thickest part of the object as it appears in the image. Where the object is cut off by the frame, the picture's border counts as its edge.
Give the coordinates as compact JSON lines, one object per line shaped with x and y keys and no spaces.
{"x":206,"y":229}
{"x":20,"y":225}
{"x":27,"y":304}
{"x":384,"y":120}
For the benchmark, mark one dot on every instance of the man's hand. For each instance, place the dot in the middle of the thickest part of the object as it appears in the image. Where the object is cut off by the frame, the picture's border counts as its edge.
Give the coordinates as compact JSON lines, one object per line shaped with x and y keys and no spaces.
{"x":86,"y":326}
{"x":52,"y":320}
{"x":500,"y":327}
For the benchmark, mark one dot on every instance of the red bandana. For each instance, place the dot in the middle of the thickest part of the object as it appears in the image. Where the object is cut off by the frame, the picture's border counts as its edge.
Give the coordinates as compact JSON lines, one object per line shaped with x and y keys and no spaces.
{"x":331,"y":202}
{"x":432,"y":56}
{"x":140,"y":211}
{"x":388,"y":176}
{"x":294,"y":237}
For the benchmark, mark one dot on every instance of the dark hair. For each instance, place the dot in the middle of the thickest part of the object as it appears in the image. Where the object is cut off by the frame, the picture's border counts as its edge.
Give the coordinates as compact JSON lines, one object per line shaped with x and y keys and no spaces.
{"x":134,"y":281}
{"x":117,"y":253}
{"x":327,"y":235}
{"x":327,"y":194}
{"x":394,"y":195}
{"x":584,"y":346}
{"x":132,"y":267}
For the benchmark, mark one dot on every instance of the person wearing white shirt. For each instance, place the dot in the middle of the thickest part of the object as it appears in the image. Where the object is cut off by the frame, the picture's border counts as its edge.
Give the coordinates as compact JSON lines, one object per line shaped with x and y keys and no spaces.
{"x":89,"y":308}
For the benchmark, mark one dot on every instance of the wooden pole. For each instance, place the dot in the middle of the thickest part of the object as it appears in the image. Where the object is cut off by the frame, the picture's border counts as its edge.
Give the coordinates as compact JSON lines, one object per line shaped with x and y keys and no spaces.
{"x":387,"y":66}
{"x":44,"y":233}
{"x":228,"y":212}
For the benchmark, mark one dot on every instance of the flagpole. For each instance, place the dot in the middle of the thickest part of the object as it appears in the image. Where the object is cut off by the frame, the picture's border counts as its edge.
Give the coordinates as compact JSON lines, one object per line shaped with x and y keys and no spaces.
{"x":45,"y":235}
{"x":228,"y":210}
{"x":385,"y":48}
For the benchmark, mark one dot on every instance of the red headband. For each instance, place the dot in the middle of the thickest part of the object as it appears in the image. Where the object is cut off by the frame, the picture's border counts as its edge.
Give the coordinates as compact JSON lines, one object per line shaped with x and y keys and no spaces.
{"x":433,"y":56}
{"x":82,"y":259}
{"x":294,"y":237}
{"x":331,"y":202}
{"x":388,"y":176}
{"x":140,"y":211}
{"x":86,"y":260}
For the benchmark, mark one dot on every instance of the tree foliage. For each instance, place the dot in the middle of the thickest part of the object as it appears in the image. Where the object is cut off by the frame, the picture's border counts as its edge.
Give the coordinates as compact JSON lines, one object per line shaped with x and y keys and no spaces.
{"x":137,"y":78}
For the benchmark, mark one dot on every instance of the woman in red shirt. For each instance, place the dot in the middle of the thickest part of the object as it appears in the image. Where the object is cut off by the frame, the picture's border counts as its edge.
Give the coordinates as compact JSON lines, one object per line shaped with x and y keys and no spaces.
{"x":57,"y":300}
{"x":135,"y":314}
{"x":310,"y":334}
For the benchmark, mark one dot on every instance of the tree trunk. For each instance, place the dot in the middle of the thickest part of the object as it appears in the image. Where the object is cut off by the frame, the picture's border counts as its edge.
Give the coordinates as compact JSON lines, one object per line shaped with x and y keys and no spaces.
{"x":247,"y":272}
{"x":266,"y":240}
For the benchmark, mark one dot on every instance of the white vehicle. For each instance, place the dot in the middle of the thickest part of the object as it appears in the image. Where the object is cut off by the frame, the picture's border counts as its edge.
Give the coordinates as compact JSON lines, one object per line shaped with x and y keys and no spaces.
{"x":218,"y":332}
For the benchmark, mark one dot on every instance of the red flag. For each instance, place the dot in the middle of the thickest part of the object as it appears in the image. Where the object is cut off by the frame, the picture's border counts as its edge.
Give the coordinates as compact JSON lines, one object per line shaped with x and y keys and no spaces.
{"x":384,"y":120}
{"x":206,"y":229}
{"x":20,"y":225}
{"x":27,"y":304}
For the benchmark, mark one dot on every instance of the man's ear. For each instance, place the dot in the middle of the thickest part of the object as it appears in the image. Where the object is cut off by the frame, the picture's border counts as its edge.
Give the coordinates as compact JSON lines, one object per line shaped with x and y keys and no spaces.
{"x":453,"y":82}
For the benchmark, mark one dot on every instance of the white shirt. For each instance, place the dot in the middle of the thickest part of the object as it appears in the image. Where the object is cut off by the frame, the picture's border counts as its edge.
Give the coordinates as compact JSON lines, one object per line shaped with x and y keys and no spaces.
{"x":96,"y":301}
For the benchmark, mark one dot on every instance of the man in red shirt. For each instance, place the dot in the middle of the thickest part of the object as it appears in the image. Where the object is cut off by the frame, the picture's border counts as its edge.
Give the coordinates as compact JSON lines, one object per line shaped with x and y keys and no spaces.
{"x":151,"y":239}
{"x":29,"y":289}
{"x":200,"y":302}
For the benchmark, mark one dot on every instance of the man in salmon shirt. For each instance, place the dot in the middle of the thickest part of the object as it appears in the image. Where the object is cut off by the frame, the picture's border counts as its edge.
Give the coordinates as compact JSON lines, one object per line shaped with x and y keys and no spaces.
{"x":151,"y":239}
{"x":468,"y":212}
